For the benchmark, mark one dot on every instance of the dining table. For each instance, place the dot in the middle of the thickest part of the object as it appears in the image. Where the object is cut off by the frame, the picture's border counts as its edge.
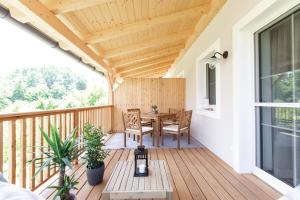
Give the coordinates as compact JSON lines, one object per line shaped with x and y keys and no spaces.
{"x":157,"y":117}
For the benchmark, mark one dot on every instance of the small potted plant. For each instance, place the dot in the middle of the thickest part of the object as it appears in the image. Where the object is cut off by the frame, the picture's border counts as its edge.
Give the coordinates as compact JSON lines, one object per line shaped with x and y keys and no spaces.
{"x":61,"y":155}
{"x":93,"y":139}
{"x":154,"y":109}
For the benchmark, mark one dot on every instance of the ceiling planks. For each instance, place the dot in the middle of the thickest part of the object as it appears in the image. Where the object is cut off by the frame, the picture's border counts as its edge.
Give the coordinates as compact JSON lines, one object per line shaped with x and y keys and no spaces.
{"x":136,"y":38}
{"x":143,"y":25}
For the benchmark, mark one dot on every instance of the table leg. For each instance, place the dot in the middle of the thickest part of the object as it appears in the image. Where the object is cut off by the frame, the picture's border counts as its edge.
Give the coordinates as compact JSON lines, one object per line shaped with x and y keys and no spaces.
{"x":169,"y":195}
{"x":158,"y":130}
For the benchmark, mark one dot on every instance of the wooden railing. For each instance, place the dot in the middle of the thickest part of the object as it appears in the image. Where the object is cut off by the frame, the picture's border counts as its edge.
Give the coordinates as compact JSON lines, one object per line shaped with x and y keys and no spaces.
{"x":20,"y":135}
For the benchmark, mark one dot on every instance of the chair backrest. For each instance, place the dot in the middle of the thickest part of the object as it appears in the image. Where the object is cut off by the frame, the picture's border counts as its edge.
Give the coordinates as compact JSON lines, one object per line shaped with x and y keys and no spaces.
{"x":177,"y":112}
{"x":132,"y":120}
{"x":185,"y":119}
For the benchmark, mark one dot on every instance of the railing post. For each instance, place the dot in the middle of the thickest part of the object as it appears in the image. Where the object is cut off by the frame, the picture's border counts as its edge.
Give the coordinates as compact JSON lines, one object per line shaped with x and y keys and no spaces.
{"x":1,"y":146}
{"x":76,"y":125}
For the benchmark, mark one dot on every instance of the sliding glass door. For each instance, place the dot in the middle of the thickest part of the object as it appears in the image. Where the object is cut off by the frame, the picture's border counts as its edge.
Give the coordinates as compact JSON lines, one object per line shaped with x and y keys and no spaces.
{"x":278,"y":98}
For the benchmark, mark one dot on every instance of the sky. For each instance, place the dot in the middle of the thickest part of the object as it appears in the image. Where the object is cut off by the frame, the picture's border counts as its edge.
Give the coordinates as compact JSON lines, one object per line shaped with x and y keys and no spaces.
{"x":20,"y":49}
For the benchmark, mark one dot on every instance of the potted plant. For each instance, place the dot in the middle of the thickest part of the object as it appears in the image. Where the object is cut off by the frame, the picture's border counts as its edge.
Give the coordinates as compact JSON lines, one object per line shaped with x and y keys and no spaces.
{"x":94,"y":153}
{"x":61,"y":155}
{"x":154,"y":109}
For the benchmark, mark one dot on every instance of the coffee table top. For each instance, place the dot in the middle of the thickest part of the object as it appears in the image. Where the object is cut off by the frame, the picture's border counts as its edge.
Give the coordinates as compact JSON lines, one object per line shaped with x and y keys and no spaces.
{"x":122,"y":181}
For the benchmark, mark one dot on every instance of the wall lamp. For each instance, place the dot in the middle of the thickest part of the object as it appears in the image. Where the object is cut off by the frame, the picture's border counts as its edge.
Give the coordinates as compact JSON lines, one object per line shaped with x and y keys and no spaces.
{"x":215,"y":58}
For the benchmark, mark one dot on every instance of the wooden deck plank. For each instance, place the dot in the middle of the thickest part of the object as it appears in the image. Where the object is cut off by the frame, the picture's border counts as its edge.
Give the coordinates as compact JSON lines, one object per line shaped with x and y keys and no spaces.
{"x":187,"y":176}
{"x":220,"y":185}
{"x":262,"y":185}
{"x":182,"y":188}
{"x":236,"y":181}
{"x":260,"y":194}
{"x":161,"y":156}
{"x":192,"y":172}
{"x":209,"y":193}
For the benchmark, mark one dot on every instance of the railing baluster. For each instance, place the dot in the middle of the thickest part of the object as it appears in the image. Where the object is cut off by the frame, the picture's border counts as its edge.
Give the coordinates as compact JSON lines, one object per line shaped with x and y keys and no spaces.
{"x":12,"y":152}
{"x":41,"y":144}
{"x":1,"y":146}
{"x":32,"y":144}
{"x":23,"y":151}
{"x":48,"y":129}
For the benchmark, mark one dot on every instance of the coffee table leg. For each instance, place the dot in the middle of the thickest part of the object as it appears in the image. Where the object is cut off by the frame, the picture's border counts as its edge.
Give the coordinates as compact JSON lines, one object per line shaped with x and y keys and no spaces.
{"x":105,"y":196}
{"x":170,"y":195}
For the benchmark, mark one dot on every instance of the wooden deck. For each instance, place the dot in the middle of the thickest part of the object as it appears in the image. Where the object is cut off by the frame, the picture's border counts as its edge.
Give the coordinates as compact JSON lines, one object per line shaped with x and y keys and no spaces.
{"x":195,"y":174}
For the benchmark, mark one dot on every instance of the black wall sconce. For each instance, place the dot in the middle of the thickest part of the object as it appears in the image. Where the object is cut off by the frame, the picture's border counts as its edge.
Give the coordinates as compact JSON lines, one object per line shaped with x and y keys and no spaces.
{"x":224,"y":55}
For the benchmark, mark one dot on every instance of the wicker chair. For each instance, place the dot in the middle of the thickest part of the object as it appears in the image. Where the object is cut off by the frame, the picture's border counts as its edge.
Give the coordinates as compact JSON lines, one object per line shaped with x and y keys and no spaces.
{"x":177,"y":129}
{"x":132,"y":124}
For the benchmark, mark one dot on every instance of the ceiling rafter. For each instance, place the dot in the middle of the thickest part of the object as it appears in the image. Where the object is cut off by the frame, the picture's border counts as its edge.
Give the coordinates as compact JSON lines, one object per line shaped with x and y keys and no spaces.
{"x":147,"y":56}
{"x":174,"y":38}
{"x":149,"y":74}
{"x":139,"y":71}
{"x":168,"y":63}
{"x":48,"y":22}
{"x":65,"y":6}
{"x":127,"y":29}
{"x":145,"y":65}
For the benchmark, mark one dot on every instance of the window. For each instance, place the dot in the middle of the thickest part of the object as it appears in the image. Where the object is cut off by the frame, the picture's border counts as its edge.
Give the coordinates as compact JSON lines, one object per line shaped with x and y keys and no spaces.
{"x":278,"y":98}
{"x":208,"y":83}
{"x":211,"y":84}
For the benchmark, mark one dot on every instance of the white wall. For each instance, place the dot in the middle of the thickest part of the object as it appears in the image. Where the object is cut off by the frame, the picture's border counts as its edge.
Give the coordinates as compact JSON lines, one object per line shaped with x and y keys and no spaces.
{"x":215,"y":134}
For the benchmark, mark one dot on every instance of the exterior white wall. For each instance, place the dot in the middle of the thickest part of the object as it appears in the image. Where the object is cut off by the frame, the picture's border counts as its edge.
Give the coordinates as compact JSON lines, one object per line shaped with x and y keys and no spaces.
{"x":215,"y":134}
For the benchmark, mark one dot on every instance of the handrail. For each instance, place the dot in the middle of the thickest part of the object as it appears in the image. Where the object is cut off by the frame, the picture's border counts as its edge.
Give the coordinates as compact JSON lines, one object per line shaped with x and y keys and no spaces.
{"x":45,"y":112}
{"x":20,"y":134}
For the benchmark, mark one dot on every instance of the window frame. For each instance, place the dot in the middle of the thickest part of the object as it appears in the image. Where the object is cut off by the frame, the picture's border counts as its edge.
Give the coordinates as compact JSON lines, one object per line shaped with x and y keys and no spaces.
{"x":259,"y":104}
{"x":212,"y":111}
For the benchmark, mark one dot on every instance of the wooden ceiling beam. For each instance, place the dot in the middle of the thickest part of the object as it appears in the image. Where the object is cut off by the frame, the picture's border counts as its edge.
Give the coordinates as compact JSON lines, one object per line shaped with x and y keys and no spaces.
{"x":147,"y":56}
{"x":65,"y":6}
{"x":153,"y":66}
{"x":49,"y":23}
{"x":139,"y":71}
{"x":145,"y":65}
{"x":147,"y":74}
{"x":127,"y":29}
{"x":175,"y":38}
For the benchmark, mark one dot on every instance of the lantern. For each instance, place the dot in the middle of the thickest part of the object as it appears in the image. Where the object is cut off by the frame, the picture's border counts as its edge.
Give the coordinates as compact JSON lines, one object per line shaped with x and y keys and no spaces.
{"x":140,"y":161}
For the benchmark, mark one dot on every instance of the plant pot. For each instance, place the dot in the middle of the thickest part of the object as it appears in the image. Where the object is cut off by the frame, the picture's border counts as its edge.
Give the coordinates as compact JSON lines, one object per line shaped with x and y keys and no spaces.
{"x":71,"y":196}
{"x":95,"y":176}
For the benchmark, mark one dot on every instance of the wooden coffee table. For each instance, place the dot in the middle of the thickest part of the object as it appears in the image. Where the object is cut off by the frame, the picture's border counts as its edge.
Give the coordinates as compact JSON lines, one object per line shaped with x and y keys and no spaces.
{"x":123,"y":185}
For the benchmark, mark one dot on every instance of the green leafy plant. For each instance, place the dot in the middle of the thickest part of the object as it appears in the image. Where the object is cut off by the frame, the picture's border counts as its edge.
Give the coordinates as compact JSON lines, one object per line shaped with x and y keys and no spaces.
{"x":93,"y":145}
{"x":61,"y":155}
{"x":64,"y":191}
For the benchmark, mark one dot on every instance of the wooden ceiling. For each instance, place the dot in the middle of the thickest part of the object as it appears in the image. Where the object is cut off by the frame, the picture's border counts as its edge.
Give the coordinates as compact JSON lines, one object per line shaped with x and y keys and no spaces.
{"x":131,"y":38}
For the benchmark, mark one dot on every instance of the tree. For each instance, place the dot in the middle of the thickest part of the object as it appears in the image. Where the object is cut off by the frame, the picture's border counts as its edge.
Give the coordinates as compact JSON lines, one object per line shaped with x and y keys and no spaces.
{"x":81,"y":85}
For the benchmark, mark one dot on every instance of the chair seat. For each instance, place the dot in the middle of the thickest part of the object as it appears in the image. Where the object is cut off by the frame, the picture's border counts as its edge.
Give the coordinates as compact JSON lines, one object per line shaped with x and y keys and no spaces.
{"x":173,"y":128}
{"x":145,"y":129}
{"x":169,"y":122}
{"x":146,"y":122}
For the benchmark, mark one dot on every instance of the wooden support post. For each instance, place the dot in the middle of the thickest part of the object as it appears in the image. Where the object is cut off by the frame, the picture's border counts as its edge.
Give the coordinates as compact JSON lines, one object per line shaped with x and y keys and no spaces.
{"x":111,"y":80}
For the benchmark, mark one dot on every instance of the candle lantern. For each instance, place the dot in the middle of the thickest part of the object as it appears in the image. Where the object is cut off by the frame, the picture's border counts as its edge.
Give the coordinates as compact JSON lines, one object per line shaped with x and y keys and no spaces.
{"x":140,"y":161}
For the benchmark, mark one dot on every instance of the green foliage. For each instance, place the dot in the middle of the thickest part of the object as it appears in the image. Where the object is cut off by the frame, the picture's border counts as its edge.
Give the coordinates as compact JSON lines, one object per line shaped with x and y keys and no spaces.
{"x":47,"y":88}
{"x":61,"y":154}
{"x":93,"y":145}
{"x":64,"y":191}
{"x":94,"y":97}
{"x":81,"y":85}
